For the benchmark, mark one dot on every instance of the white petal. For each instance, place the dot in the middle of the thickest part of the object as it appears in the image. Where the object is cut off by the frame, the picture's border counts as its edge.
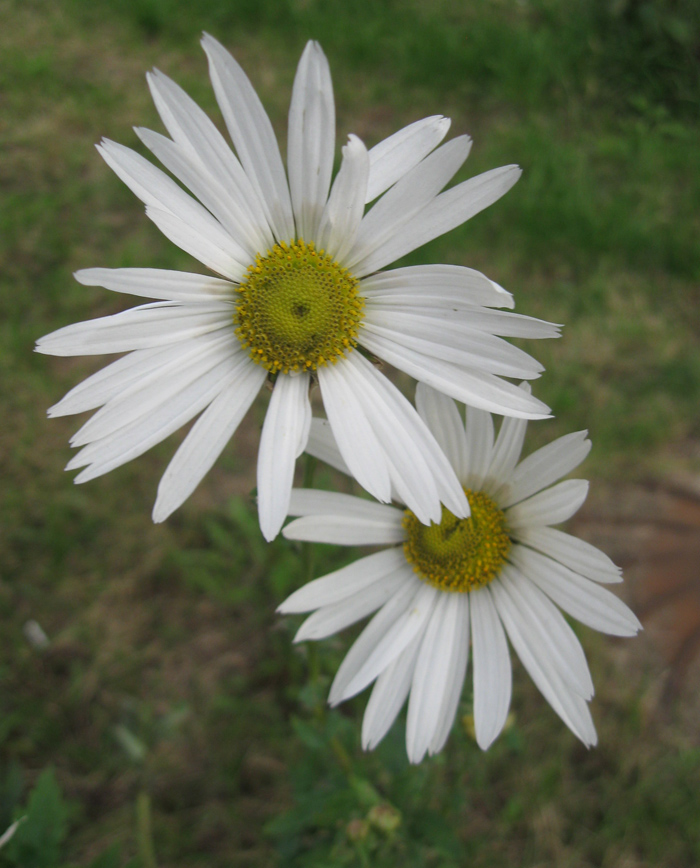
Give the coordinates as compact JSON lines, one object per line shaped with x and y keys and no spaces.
{"x":553,"y":506}
{"x":149,"y":392}
{"x":279,"y":446}
{"x":479,"y":431}
{"x":492,"y":670}
{"x":304,"y":429}
{"x":210,"y":247}
{"x":572,"y":709}
{"x":444,"y":308}
{"x":571,"y":551}
{"x":130,"y":441}
{"x":396,"y":155}
{"x":470,"y":386}
{"x":394,"y":640}
{"x":550,"y":629}
{"x":322,"y":445}
{"x":424,"y":476}
{"x":389,"y":694}
{"x":507,"y":449}
{"x":431,"y":678}
{"x":149,"y":183}
{"x":407,"y":198}
{"x":446,"y":211}
{"x":158,"y":283}
{"x":235,"y":217}
{"x":309,"y":501}
{"x":337,"y":616}
{"x":513,"y":325}
{"x":442,"y":417}
{"x":161,"y":194}
{"x":311,"y":139}
{"x":424,"y":284}
{"x":199,"y":139}
{"x":134,"y":369}
{"x":451,"y":341}
{"x":208,"y":438}
{"x":457,"y":668}
{"x":355,"y":437}
{"x":109,"y":381}
{"x":253,"y":136}
{"x":149,"y":325}
{"x":581,"y":598}
{"x":345,"y":530}
{"x":342,"y":215}
{"x":545,"y":466}
{"x":372,"y":634}
{"x":340,"y":584}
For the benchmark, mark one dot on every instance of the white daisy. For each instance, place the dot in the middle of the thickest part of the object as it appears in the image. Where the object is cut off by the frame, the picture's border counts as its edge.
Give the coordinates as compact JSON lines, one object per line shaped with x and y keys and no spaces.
{"x":439,"y":588}
{"x":299,"y":288}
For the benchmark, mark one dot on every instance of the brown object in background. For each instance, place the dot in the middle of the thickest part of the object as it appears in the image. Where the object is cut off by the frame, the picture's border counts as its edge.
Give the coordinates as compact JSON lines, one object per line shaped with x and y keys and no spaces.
{"x":652,"y":530}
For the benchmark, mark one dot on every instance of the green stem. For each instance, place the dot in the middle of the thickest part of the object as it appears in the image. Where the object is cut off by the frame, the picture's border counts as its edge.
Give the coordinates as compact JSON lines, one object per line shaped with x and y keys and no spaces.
{"x":307,"y":555}
{"x":307,"y":550}
{"x":307,"y":561}
{"x":144,"y":831}
{"x":309,"y":468}
{"x":342,"y":756}
{"x":361,"y":851}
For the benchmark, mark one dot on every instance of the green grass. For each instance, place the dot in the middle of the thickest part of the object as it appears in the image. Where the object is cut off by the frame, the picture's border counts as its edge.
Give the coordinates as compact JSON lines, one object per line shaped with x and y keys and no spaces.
{"x":168,"y":679}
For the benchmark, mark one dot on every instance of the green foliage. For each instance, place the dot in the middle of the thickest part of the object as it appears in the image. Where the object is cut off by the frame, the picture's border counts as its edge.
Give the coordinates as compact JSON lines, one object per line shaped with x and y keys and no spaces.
{"x":41,"y":830}
{"x":635,"y":53}
{"x":231,"y":563}
{"x":228,"y":546}
{"x":650,"y":50}
{"x":110,"y":859}
{"x":11,"y":786}
{"x":601,"y":193}
{"x":340,"y":817}
{"x":38,"y":840}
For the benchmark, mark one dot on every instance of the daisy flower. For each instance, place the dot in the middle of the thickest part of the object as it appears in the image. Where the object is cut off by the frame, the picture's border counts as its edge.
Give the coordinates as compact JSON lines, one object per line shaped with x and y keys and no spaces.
{"x":299,"y":290}
{"x":437,"y":589}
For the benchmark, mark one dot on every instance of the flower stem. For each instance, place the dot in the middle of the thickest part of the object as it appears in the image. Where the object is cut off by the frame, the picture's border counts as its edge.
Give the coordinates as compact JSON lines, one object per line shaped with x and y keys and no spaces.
{"x":144,"y":831}
{"x":307,"y":551}
{"x":307,"y":554}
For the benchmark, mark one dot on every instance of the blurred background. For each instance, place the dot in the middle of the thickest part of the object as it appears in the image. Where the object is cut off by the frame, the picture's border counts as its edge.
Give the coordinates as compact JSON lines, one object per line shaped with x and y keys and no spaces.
{"x":153,"y":710}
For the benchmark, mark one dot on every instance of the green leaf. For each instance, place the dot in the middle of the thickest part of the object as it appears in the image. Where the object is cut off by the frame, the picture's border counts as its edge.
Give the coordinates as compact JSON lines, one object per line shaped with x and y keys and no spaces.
{"x":11,"y":787}
{"x":37,"y":842}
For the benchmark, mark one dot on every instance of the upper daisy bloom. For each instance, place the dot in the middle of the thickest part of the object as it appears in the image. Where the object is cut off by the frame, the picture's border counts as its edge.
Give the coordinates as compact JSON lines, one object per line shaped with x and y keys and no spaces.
{"x":439,"y":588}
{"x":299,"y":290}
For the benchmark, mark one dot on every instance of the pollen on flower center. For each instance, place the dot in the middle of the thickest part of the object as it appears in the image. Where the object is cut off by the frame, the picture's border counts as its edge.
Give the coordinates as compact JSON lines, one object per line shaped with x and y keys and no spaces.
{"x":297,"y":309}
{"x":459,"y":554}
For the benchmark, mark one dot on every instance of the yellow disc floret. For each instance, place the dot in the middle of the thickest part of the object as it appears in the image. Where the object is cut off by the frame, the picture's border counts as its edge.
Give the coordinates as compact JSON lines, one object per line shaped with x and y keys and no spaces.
{"x":297,"y":309}
{"x":459,"y":554}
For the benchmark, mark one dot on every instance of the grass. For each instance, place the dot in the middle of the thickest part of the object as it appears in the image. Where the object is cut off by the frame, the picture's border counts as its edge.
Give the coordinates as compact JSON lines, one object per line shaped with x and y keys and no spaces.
{"x":168,"y":681}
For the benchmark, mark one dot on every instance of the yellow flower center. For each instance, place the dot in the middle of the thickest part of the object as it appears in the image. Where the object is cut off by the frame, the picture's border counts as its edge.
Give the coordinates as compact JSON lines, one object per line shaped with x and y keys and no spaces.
{"x":297,"y":309}
{"x":459,"y":554}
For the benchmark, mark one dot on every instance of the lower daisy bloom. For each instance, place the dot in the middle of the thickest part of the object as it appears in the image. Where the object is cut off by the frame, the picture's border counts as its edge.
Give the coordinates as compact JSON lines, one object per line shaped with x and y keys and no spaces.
{"x":501,"y":574}
{"x":299,"y":290}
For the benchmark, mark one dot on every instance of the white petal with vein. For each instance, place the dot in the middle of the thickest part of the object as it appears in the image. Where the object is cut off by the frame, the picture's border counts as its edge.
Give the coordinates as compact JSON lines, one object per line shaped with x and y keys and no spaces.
{"x":279,"y":446}
{"x":311,"y":139}
{"x":583,"y":599}
{"x":208,"y":438}
{"x":492,"y":669}
{"x":396,"y":155}
{"x":336,"y":586}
